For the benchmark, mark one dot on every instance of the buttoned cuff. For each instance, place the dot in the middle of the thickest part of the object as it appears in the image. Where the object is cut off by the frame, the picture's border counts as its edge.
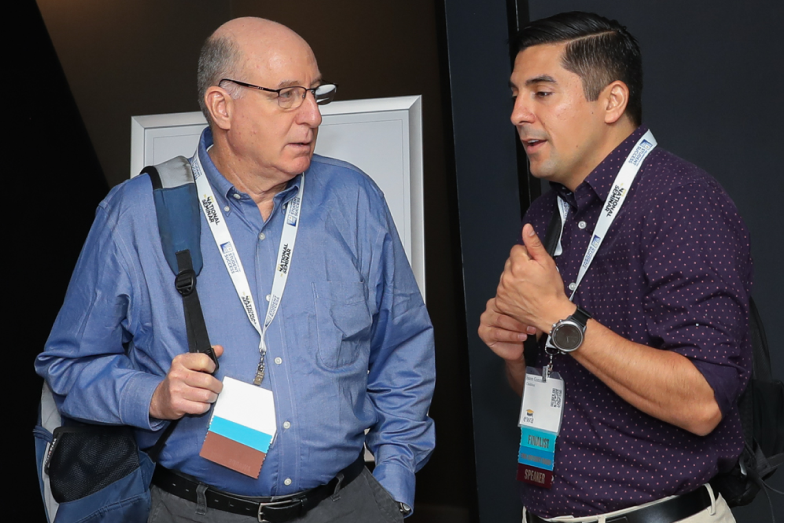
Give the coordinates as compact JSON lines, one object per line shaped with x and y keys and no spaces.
{"x":398,"y":481}
{"x":135,"y":401}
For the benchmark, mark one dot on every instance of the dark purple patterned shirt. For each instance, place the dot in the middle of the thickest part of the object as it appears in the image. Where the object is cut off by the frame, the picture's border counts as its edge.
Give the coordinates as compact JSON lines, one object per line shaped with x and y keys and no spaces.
{"x":674,"y":272}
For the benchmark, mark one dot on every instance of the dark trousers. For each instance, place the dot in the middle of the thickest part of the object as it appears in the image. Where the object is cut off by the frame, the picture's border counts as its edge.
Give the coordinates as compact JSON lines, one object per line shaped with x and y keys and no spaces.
{"x":362,"y":501}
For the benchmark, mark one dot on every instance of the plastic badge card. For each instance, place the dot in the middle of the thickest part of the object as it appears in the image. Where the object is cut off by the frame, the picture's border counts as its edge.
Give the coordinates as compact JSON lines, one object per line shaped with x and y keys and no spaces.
{"x":242,"y":427}
{"x":540,"y":420}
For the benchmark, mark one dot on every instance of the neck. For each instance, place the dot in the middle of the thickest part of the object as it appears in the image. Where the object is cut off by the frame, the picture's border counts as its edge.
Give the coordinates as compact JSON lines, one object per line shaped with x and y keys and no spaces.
{"x":260,"y":188}
{"x":618,"y":133}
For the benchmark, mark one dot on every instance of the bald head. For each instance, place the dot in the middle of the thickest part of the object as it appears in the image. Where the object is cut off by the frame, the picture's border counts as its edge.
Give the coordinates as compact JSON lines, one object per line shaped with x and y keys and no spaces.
{"x":243,"y":46}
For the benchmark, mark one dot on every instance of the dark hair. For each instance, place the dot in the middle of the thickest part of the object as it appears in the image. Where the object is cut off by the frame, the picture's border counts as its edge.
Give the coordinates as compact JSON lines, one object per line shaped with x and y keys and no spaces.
{"x":599,"y":51}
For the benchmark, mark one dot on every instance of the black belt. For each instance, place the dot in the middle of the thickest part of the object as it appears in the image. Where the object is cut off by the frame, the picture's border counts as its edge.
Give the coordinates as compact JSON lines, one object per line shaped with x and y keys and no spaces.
{"x":275,"y":509}
{"x":669,"y":511}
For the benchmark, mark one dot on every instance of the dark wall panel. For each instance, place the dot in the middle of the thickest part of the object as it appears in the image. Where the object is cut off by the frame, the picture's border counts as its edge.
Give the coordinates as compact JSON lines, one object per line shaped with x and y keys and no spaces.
{"x":489,"y":214}
{"x":129,"y":58}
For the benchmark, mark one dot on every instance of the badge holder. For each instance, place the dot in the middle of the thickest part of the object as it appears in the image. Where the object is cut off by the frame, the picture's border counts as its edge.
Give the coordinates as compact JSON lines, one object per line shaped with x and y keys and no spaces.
{"x":242,"y":428}
{"x":542,"y":406}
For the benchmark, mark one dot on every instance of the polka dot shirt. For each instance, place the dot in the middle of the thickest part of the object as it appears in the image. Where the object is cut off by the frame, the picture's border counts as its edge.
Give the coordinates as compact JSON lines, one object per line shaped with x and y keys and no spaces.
{"x":674,"y":272}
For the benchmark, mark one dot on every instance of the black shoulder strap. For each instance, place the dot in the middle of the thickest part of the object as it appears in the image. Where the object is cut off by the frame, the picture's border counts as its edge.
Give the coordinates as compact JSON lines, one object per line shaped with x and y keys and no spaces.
{"x":177,"y":212}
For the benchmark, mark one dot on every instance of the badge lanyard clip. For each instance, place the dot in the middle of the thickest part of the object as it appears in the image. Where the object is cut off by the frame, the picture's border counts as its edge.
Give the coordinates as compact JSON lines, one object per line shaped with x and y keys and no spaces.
{"x":546,"y":371}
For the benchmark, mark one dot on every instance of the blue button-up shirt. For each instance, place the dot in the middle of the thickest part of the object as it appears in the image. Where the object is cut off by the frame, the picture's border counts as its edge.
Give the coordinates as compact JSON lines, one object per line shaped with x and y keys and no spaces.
{"x":350,"y":349}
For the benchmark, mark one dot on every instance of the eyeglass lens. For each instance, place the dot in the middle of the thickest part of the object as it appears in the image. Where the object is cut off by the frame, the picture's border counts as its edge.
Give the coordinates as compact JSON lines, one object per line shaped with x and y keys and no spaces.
{"x":292,"y":97}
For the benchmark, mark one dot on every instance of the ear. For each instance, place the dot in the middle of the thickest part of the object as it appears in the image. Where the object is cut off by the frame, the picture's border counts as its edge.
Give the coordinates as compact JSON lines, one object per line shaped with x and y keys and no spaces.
{"x":220,"y":105}
{"x":616,"y":96}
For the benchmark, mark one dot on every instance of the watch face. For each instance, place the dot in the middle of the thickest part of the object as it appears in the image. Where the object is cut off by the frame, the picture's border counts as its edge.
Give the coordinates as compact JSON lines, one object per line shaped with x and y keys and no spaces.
{"x":567,"y":337}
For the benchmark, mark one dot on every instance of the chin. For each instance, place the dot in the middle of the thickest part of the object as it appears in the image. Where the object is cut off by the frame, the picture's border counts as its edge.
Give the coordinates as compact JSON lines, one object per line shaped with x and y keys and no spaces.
{"x":300,"y":165}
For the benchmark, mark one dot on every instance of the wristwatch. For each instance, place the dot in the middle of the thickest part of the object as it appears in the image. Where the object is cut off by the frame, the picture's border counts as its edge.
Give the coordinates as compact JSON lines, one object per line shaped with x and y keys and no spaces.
{"x":405,"y":509}
{"x":567,"y":335}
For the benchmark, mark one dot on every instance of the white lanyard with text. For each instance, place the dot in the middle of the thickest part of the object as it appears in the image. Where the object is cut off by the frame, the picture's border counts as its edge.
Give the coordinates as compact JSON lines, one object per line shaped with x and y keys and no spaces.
{"x":617,"y":194}
{"x":226,"y":247}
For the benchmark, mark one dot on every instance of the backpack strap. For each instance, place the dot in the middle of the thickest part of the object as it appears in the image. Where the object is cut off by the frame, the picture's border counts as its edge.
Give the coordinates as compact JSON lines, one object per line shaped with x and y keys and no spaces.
{"x":177,"y":210}
{"x":179,"y":226}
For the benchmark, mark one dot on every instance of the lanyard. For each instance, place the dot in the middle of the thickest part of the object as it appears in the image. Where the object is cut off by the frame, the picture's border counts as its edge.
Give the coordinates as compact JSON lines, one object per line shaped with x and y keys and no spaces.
{"x":226,"y":246}
{"x":614,"y":201}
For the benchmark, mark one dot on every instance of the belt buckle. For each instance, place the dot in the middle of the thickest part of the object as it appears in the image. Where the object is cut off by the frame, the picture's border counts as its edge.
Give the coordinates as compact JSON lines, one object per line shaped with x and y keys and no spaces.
{"x":276,"y":504}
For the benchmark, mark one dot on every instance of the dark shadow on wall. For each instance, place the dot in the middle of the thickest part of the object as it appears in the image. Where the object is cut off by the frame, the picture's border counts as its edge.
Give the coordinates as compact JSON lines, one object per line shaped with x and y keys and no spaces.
{"x":59,"y":182}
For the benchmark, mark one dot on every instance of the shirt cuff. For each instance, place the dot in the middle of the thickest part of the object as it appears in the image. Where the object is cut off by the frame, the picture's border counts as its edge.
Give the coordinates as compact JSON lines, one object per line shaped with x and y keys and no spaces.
{"x":724,"y":381}
{"x":398,"y":481}
{"x":135,"y":401}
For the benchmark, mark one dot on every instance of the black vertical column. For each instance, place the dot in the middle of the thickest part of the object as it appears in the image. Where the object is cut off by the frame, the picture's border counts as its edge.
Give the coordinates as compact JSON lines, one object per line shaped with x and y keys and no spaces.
{"x":489,"y":216}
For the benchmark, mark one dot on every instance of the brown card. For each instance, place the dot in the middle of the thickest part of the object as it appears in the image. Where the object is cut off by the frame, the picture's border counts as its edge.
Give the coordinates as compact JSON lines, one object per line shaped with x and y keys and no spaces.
{"x":232,"y":454}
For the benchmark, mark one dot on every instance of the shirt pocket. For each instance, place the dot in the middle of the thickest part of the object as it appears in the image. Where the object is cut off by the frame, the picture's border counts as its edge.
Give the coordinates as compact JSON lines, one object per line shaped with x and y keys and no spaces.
{"x":343,"y":322}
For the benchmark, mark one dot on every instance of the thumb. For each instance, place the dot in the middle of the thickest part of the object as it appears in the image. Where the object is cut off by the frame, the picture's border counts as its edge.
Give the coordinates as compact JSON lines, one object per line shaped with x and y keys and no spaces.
{"x":534,"y":247}
{"x":218,"y":350}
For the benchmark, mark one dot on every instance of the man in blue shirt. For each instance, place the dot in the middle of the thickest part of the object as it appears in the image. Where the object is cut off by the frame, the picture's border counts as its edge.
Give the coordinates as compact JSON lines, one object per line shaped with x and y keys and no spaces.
{"x":349,"y":354}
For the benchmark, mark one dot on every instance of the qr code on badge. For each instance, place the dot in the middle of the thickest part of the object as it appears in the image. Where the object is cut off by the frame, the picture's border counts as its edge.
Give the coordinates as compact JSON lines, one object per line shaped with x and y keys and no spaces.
{"x":556,"y":398}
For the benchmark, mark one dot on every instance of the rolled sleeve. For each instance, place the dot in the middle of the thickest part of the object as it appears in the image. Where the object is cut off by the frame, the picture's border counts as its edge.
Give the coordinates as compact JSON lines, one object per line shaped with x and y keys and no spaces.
{"x":697,"y":264}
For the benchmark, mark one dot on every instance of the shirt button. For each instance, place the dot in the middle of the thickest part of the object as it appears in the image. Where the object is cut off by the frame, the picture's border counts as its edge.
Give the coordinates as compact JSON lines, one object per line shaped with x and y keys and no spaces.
{"x":226,"y":208}
{"x":236,"y":196}
{"x":287,"y":424}
{"x":287,"y":482}
{"x":278,"y":361}
{"x":267,"y":297}
{"x":261,"y":235}
{"x":572,"y":286}
{"x":582,"y":224}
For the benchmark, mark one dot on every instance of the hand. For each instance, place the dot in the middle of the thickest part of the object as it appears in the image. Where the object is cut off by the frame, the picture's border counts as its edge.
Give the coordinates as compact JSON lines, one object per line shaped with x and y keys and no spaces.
{"x":531,"y":289}
{"x":504,"y":335}
{"x":188,"y":387}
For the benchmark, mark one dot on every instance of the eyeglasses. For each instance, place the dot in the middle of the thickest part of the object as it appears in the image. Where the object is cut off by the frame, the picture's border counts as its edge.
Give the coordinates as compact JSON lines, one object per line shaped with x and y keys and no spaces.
{"x":292,"y":97}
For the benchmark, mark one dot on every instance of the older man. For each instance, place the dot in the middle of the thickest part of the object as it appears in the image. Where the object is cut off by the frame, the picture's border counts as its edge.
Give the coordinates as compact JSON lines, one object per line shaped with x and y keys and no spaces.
{"x":643,"y":304}
{"x":350,"y":346}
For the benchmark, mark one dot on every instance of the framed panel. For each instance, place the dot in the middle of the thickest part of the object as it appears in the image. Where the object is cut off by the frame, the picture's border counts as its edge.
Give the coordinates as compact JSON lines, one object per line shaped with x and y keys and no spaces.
{"x":381,"y":136}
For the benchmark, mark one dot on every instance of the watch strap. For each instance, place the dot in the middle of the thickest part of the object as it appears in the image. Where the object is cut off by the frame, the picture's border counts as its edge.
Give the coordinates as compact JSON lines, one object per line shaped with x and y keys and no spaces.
{"x":581,"y":316}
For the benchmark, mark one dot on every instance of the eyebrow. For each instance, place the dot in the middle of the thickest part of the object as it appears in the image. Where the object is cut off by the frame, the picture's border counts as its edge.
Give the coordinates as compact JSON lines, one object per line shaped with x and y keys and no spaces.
{"x":292,"y":83}
{"x":535,"y":80}
{"x":541,"y":79}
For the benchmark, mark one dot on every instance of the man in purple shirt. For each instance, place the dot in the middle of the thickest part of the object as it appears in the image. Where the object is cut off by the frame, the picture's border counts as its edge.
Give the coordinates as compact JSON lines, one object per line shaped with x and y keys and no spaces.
{"x":651,"y":338}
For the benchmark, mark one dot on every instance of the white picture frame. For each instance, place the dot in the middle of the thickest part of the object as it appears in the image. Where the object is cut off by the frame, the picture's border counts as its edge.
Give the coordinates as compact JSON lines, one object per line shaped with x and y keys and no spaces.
{"x":381,"y":136}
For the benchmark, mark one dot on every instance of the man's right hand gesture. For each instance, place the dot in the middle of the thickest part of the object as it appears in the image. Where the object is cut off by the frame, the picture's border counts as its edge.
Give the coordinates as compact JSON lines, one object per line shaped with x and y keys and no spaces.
{"x":505,"y":336}
{"x":189,"y":387}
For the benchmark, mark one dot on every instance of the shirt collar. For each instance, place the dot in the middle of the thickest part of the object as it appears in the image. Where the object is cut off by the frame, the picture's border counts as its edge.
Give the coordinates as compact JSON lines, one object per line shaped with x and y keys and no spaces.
{"x":602,"y":177}
{"x":224,"y":190}
{"x":600,"y":180}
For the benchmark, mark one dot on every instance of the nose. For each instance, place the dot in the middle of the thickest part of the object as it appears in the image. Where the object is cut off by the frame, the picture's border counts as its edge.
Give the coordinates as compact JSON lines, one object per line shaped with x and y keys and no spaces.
{"x":522,"y":114}
{"x":308,"y":112}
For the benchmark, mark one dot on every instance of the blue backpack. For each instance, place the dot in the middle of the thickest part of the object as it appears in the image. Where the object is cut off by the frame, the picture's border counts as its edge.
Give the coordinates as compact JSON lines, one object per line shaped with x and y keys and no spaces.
{"x":97,"y":473}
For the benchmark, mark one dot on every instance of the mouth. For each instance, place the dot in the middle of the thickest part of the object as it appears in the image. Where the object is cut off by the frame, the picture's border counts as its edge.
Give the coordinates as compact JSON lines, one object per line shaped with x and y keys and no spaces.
{"x":532,"y":145}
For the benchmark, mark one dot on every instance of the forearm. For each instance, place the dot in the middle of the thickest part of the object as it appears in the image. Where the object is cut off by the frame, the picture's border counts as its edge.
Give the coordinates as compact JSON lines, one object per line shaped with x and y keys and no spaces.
{"x":661,"y":383}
